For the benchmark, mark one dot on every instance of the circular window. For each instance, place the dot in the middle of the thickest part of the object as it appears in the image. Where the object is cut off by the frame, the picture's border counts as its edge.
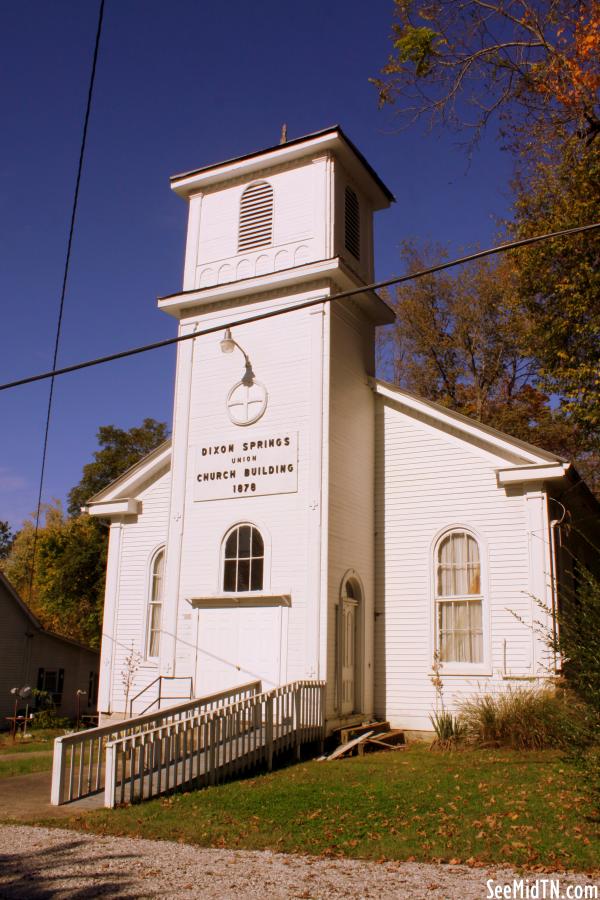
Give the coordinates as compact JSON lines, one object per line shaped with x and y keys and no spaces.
{"x":246,"y":402}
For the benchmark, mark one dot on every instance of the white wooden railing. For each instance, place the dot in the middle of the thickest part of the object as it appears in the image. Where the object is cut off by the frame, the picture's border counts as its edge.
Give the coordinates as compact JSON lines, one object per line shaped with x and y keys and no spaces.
{"x":79,"y":759}
{"x":210,"y":746}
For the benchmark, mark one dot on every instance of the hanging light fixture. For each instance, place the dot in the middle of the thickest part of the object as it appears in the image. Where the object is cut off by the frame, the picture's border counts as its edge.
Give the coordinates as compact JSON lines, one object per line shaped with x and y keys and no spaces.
{"x":228,"y":344}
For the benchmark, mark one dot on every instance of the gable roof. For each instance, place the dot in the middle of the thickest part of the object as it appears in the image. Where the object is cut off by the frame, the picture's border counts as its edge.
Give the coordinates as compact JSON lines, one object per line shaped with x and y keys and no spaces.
{"x":12,"y":593}
{"x":534,"y":463}
{"x":7,"y":589}
{"x":516,"y":451}
{"x":127,"y":485}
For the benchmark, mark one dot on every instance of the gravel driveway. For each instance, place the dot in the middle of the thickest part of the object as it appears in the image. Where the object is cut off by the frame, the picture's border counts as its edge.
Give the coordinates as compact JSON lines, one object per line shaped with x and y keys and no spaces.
{"x":39,"y":862}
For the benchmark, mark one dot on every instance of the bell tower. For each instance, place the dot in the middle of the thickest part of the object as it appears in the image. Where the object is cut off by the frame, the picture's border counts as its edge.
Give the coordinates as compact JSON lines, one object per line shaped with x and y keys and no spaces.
{"x":270,"y":550}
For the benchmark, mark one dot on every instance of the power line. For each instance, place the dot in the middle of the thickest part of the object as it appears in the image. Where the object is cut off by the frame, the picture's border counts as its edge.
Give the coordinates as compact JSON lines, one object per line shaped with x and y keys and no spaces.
{"x":63,"y":291}
{"x":167,"y":342}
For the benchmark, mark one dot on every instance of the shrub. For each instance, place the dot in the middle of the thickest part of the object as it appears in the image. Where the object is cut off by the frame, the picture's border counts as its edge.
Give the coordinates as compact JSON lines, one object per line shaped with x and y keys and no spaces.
{"x":46,"y":715}
{"x":449,"y":730}
{"x":527,"y":718}
{"x":577,"y":638}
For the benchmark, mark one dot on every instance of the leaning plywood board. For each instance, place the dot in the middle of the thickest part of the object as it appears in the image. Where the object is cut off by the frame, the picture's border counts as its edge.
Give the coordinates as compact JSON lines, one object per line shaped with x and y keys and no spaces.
{"x":345,"y":747}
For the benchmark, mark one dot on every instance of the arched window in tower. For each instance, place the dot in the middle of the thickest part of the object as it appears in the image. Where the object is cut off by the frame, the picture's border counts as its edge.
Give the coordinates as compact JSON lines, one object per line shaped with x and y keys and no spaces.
{"x":256,"y":217}
{"x":243,"y":559}
{"x":352,"y":223}
{"x":155,"y":601}
{"x":459,"y":599}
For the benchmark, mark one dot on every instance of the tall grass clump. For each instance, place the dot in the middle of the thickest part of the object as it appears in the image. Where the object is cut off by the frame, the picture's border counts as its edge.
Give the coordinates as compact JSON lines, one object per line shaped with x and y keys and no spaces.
{"x":526,"y":718}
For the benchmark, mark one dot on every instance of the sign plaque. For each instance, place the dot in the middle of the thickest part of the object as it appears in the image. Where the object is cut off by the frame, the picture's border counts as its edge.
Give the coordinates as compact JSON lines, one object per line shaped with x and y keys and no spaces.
{"x":248,"y":466}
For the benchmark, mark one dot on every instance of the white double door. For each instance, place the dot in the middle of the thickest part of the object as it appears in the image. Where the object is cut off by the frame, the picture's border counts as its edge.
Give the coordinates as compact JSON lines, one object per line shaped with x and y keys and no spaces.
{"x":238,"y":645}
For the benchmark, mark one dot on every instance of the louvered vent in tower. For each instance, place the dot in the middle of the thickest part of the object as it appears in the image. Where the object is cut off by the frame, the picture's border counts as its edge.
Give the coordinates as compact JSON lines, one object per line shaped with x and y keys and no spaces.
{"x":352,"y":223}
{"x":256,"y":217}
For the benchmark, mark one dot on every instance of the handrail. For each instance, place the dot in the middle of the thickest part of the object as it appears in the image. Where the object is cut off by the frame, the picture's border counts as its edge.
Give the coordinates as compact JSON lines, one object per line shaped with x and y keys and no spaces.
{"x":81,"y":753}
{"x":209,"y":746}
{"x":143,"y":690}
{"x":160,"y":679}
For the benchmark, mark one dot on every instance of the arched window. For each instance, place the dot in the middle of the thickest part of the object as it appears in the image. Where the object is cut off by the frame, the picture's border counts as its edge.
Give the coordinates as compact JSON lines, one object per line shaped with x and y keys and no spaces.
{"x":244,"y":558}
{"x":352,"y":223}
{"x":459,"y":600}
{"x":155,"y":605}
{"x":256,"y":217}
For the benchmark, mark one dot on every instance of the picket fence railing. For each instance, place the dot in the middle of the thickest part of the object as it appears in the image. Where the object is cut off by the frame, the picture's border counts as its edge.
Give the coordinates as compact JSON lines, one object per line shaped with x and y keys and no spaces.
{"x":210,"y":746}
{"x":79,"y":763}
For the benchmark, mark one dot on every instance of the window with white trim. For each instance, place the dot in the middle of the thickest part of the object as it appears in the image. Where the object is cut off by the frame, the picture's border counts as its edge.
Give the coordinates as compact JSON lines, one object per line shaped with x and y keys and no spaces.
{"x":155,"y":601}
{"x":256,"y":217}
{"x":458,"y":599}
{"x":243,"y":559}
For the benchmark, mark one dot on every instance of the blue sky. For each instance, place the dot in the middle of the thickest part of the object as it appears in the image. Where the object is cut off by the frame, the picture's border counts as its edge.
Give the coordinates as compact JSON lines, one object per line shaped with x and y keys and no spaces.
{"x":179,"y":85}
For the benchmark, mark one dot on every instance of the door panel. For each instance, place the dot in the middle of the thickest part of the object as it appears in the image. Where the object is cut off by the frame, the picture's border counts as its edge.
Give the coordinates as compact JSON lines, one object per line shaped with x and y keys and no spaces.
{"x":236,"y":646}
{"x":349,"y":622}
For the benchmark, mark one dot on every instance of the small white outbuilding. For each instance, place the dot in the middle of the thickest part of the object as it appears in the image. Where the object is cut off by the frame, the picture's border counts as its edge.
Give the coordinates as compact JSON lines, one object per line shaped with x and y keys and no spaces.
{"x":308,"y":521}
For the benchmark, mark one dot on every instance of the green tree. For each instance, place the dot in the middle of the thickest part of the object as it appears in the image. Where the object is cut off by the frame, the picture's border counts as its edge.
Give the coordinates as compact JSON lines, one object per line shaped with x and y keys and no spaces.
{"x":118,"y":451}
{"x":535,"y":66}
{"x":559,"y":281}
{"x":67,"y":589}
{"x":6,"y":539}
{"x":459,"y":339}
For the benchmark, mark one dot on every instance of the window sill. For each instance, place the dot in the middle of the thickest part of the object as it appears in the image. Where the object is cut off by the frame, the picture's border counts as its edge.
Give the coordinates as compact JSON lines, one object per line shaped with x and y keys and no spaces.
{"x":464,"y":671}
{"x":229,"y":600}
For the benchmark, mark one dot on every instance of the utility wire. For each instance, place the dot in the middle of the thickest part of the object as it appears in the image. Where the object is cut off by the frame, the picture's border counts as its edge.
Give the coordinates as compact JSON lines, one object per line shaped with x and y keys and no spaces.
{"x":167,"y":342}
{"x":61,"y":305}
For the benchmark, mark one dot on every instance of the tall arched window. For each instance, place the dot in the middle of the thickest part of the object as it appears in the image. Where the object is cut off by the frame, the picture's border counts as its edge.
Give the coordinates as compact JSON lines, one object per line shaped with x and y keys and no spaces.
{"x":256,"y":217}
{"x":459,"y":600}
{"x":352,"y":223}
{"x":155,"y":605}
{"x":244,"y":559}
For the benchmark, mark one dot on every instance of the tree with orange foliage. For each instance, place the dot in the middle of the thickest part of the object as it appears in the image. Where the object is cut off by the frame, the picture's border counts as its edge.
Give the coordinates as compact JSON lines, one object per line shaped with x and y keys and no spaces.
{"x":533,"y":63}
{"x":532,"y":68}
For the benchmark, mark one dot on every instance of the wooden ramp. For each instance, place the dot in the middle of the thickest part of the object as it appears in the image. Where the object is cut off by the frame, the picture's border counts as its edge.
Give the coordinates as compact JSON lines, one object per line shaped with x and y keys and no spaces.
{"x":204,"y":744}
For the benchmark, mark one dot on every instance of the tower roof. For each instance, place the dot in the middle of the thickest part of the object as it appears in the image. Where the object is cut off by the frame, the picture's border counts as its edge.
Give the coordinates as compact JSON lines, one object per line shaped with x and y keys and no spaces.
{"x":332,"y":139}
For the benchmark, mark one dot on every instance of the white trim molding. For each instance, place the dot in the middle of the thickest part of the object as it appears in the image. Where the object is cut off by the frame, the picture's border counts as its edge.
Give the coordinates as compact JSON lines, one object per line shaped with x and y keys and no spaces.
{"x":228,"y":599}
{"x":524,"y":474}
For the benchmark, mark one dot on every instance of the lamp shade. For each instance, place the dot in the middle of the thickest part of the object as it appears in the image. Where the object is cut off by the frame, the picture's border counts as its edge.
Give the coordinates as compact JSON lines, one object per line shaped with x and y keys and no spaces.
{"x":228,"y":343}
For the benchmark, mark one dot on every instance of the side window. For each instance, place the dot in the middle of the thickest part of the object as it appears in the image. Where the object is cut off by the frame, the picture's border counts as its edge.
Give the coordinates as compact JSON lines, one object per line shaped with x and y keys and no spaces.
{"x":243,"y":559}
{"x":459,"y":601}
{"x":155,"y":601}
{"x":256,"y":217}
{"x":352,"y":223}
{"x":92,"y":689}
{"x":52,"y":682}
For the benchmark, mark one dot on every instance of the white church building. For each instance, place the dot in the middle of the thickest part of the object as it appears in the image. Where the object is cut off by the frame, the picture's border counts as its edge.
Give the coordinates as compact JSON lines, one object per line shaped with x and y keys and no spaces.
{"x":306,"y":520}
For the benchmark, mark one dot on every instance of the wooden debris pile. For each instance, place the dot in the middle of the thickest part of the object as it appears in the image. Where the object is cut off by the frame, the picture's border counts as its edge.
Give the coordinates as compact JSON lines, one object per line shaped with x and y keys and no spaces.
{"x":371,"y":736}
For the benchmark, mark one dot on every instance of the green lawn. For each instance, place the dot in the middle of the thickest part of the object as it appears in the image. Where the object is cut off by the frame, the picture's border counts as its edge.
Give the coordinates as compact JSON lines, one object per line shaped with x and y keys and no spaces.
{"x":472,"y":806}
{"x":42,"y":739}
{"x":24,"y":764}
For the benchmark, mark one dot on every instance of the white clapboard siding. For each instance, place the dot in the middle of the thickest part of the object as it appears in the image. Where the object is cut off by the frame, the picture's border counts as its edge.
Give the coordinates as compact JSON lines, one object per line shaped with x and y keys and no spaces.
{"x":221,"y":645}
{"x":427,"y":481}
{"x":140,"y":540}
{"x":351,"y":490}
